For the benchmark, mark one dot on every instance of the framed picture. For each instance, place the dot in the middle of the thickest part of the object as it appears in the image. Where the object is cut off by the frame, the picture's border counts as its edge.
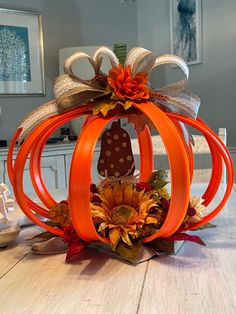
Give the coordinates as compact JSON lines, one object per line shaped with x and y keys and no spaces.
{"x":21,"y":53}
{"x":186,"y":30}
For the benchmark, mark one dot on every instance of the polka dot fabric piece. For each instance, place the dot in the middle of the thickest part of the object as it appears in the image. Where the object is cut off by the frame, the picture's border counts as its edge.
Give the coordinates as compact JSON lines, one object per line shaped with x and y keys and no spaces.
{"x":116,"y":157}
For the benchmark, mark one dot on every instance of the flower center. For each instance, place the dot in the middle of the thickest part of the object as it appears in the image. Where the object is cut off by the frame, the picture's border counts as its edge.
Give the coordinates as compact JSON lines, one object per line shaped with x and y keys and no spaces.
{"x":120,"y":215}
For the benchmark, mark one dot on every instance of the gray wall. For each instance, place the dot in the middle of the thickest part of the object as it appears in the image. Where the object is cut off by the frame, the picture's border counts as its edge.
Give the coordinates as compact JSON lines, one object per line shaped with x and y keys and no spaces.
{"x":74,"y":23}
{"x":214,"y":81}
{"x":67,"y":24}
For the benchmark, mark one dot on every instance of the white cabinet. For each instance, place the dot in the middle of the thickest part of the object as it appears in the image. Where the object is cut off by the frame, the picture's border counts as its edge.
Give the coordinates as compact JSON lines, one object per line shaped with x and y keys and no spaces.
{"x":53,"y":173}
{"x":55,"y":165}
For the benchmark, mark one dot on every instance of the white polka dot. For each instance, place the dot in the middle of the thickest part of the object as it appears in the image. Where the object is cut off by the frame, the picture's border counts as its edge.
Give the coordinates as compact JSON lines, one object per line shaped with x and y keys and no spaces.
{"x":108,"y":153}
{"x":124,"y":144}
{"x":109,"y":141}
{"x":121,"y":160}
{"x":117,"y":149}
{"x":112,"y":166}
{"x":124,"y":135}
{"x":116,"y":137}
{"x":129,"y":158}
{"x":116,"y":174}
{"x":101,"y":161}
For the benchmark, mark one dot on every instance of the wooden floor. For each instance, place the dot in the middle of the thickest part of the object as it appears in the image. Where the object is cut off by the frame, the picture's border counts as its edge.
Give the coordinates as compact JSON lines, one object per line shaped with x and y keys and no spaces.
{"x":196,"y":280}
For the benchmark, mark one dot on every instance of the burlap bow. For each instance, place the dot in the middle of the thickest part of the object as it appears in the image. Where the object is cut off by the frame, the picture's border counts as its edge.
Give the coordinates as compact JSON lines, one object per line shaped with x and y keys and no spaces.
{"x":71,"y":90}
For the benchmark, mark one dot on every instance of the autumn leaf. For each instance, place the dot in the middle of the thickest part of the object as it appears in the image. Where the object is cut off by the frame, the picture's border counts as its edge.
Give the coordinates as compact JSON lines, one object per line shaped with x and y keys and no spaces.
{"x":129,"y":252}
{"x":75,"y":248}
{"x":185,"y":237}
{"x":103,"y":107}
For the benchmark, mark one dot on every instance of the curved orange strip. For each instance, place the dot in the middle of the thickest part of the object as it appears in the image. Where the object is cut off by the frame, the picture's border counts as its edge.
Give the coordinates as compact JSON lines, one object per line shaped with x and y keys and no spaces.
{"x":80,"y":180}
{"x":35,"y":157}
{"x":216,"y":174}
{"x":215,"y":178}
{"x":20,"y":163}
{"x":35,"y":207}
{"x":221,"y":150}
{"x":188,"y":149}
{"x":146,"y":154}
{"x":179,"y":169}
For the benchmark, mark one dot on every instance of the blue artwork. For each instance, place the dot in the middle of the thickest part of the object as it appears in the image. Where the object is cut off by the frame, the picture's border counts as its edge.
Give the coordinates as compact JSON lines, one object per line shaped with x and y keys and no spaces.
{"x":185,"y":30}
{"x":14,"y":54}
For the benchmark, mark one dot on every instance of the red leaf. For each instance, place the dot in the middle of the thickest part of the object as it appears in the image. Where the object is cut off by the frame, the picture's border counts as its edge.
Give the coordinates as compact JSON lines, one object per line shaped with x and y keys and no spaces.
{"x":185,"y":237}
{"x":74,"y":248}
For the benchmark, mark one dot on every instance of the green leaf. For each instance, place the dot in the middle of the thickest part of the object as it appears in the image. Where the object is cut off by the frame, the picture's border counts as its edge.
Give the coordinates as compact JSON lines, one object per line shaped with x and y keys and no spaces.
{"x":129,"y":252}
{"x":162,"y":245}
{"x":157,"y":185}
{"x":52,"y":224}
{"x":158,"y":175}
{"x":156,"y":198}
{"x":206,"y":226}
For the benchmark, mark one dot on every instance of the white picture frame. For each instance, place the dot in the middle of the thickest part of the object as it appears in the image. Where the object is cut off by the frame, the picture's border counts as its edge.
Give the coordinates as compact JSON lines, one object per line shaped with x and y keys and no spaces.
{"x":186,"y":30}
{"x":21,"y":53}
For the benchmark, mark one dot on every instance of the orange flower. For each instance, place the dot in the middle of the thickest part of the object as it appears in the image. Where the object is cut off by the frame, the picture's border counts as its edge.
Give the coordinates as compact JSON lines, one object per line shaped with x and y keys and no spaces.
{"x":124,"y":86}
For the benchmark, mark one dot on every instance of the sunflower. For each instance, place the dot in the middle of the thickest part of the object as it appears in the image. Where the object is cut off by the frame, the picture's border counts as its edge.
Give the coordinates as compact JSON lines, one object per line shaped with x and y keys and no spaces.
{"x":124,"y":212}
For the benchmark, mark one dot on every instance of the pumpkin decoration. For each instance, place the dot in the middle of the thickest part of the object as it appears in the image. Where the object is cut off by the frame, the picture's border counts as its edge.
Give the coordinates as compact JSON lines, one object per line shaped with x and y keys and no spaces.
{"x":122,"y":209}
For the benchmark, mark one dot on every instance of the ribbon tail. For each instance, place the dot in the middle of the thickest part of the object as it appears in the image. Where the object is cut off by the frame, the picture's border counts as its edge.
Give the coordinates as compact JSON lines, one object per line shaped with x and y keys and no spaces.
{"x":37,"y":116}
{"x":69,"y":92}
{"x":181,"y":102}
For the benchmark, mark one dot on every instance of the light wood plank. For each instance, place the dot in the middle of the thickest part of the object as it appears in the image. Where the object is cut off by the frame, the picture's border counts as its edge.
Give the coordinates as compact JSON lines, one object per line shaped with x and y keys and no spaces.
{"x":19,"y":248}
{"x":16,"y":250}
{"x":94,"y":284}
{"x":199,"y":279}
{"x":196,"y":280}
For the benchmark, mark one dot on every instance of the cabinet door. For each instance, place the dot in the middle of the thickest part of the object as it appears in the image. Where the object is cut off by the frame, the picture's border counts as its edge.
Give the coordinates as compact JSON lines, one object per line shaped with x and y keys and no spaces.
{"x":53,"y":173}
{"x":94,"y":171}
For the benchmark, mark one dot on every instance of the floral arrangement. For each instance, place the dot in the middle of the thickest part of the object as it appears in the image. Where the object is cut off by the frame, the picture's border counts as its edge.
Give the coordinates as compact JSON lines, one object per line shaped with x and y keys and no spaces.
{"x":121,"y":212}
{"x":127,"y":212}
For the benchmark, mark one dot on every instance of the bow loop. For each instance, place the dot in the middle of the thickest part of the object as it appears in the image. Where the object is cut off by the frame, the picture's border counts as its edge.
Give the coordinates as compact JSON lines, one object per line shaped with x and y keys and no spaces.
{"x":140,"y":60}
{"x":172,"y":59}
{"x":104,"y":51}
{"x":74,"y":58}
{"x":174,"y":97}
